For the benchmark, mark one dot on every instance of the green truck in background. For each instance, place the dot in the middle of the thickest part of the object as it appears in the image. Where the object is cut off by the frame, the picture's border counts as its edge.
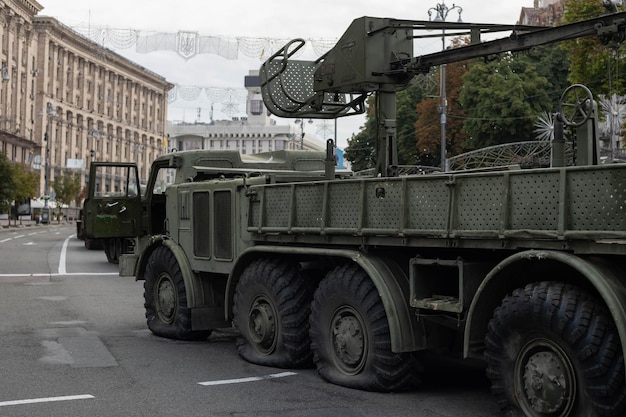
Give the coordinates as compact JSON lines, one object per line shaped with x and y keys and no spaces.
{"x":521,"y":268}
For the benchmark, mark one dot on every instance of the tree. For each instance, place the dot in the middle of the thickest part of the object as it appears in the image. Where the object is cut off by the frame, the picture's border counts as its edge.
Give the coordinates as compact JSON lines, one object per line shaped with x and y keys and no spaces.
{"x":406,"y":102}
{"x":67,"y":187}
{"x":7,"y":184}
{"x":27,"y":182}
{"x":552,"y":63}
{"x":361,"y":149}
{"x":501,"y":98}
{"x":592,"y":63}
{"x":428,"y":123}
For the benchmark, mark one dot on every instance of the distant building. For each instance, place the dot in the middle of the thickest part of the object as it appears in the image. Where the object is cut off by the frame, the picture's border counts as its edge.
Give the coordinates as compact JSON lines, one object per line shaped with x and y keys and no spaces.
{"x":18,"y":69}
{"x":87,"y":101}
{"x":543,"y":13}
{"x":252,"y":134}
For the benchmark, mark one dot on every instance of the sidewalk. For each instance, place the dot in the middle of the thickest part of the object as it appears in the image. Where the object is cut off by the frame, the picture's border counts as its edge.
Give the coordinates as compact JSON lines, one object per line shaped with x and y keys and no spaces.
{"x":4,"y":224}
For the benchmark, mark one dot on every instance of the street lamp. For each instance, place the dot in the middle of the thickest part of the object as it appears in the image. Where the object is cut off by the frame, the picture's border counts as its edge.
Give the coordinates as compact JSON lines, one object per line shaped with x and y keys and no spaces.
{"x":442,"y":11}
{"x":301,"y":123}
{"x":45,"y":212}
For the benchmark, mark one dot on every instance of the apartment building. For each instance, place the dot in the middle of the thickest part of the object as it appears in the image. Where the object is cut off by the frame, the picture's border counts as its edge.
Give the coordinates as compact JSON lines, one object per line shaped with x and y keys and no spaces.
{"x":67,"y":101}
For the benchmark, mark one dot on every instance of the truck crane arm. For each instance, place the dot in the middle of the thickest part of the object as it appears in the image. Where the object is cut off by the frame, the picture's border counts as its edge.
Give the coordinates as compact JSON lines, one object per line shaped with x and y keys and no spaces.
{"x":375,"y":55}
{"x":608,"y":28}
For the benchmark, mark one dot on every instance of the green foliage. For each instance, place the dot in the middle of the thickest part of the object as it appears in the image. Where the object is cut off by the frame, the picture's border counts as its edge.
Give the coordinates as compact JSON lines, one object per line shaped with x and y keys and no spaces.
{"x":501,"y":99}
{"x":592,"y":64}
{"x":27,"y":182}
{"x":7,"y":184}
{"x":67,"y":187}
{"x":361,"y":149}
{"x":406,"y":103}
{"x":552,"y":63}
{"x":428,"y":124}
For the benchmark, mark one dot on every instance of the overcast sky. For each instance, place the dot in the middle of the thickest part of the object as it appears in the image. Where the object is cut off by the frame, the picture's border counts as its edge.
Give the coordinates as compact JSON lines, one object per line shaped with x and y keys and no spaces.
{"x":285,"y":19}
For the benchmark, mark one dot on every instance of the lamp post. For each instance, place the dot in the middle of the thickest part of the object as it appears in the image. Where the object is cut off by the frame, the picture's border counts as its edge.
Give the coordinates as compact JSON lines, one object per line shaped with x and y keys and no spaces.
{"x":301,"y":123}
{"x":45,"y":212}
{"x":442,"y":10}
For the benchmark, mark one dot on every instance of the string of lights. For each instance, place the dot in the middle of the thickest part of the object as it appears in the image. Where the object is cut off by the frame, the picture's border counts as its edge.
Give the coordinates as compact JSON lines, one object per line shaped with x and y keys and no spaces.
{"x":189,"y":44}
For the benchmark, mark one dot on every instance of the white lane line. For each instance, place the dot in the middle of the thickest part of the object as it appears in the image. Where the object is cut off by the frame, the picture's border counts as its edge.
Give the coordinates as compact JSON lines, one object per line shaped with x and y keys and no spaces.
{"x":62,"y":259}
{"x":59,"y":275}
{"x":249,"y":379}
{"x":46,"y":400}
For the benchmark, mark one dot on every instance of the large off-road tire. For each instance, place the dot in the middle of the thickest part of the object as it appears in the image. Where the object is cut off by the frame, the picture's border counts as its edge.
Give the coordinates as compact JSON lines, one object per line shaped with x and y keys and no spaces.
{"x":165,"y":298}
{"x":350,"y":335}
{"x":553,"y":351}
{"x":271,"y":310}
{"x":112,"y":250}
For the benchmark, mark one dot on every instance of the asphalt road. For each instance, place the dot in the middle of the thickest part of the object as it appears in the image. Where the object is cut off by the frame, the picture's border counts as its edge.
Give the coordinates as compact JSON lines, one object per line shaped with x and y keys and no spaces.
{"x":73,"y":342}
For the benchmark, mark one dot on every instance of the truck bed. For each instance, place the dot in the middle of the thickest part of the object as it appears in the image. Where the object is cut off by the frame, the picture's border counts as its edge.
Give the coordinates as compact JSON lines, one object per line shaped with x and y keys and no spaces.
{"x":582,"y":209}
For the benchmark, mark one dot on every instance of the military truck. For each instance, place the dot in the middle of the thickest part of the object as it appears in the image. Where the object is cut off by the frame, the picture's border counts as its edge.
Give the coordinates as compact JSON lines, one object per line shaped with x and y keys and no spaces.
{"x":521,"y":268}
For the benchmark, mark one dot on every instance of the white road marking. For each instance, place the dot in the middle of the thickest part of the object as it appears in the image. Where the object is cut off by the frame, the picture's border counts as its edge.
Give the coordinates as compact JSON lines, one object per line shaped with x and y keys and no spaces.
{"x":249,"y":379}
{"x":62,"y":263}
{"x":62,"y":259}
{"x":47,"y":400}
{"x":57,"y":275}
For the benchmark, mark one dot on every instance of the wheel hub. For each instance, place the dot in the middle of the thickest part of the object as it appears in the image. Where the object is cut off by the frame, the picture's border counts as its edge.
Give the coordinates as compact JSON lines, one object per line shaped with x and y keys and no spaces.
{"x":547,"y":379}
{"x":166,"y":300}
{"x":262,"y":326}
{"x":349,"y":341}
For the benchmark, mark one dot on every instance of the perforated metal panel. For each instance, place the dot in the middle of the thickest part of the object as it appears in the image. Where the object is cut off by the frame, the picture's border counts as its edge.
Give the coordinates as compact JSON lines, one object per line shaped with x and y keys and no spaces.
{"x":344,"y":205}
{"x":534,"y":201}
{"x":428,"y":201}
{"x":287,"y":90}
{"x":478,"y":202}
{"x":289,"y":85}
{"x":382,"y":204}
{"x":277,"y":205}
{"x":598,"y":200}
{"x":309,"y":200}
{"x":532,"y":204}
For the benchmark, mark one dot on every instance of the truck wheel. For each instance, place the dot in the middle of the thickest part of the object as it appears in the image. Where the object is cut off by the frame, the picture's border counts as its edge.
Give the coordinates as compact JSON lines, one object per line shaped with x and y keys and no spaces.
{"x":553,"y":351}
{"x":350,"y":335}
{"x":165,"y":298}
{"x":271,"y":310}
{"x":110,"y":250}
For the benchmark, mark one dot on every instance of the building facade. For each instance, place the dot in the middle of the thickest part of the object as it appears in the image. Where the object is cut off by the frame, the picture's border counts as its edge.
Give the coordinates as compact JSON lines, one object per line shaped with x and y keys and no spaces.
{"x":252,"y":134}
{"x":18,"y":60}
{"x":543,"y":13}
{"x":66,"y":101}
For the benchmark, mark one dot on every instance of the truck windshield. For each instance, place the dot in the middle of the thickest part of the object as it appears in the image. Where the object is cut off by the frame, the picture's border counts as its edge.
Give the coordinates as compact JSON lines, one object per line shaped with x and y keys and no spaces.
{"x":165,"y":177}
{"x":116,"y":181}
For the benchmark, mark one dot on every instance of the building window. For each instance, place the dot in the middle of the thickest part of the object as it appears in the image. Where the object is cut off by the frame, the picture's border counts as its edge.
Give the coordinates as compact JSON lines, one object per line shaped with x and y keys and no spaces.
{"x":256,"y":107}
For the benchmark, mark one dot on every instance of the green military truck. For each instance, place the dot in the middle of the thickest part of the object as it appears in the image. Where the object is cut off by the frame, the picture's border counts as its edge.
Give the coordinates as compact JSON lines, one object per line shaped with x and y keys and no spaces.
{"x":521,"y":268}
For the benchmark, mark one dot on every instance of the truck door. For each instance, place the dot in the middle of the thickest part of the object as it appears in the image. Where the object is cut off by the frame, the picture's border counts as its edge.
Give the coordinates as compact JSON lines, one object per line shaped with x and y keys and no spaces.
{"x":113,"y":208}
